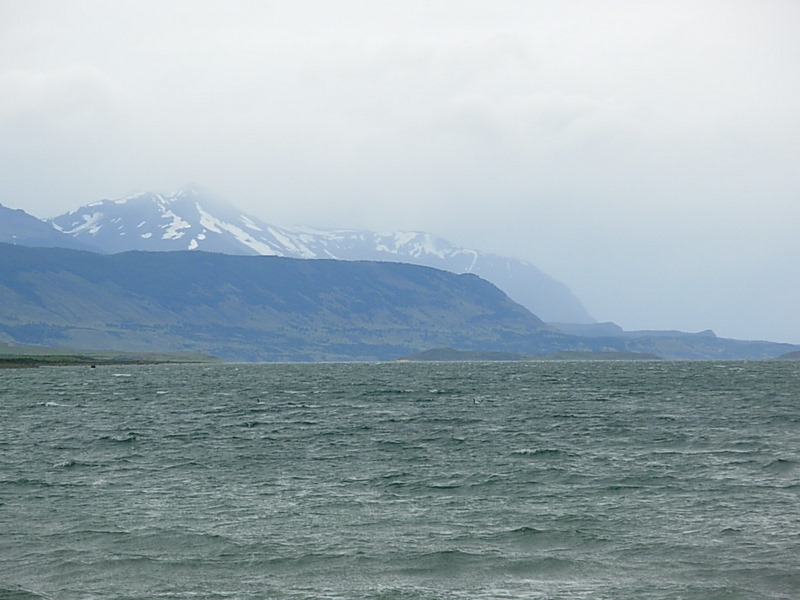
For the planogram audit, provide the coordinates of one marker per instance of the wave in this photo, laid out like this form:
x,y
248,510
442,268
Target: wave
x,y
126,438
11,592
543,452
25,481
443,563
781,466
544,567
529,539
70,463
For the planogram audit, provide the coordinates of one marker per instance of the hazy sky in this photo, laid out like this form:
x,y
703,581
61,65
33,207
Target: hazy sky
x,y
647,154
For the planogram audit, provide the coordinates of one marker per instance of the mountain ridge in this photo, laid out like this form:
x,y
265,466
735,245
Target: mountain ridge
x,y
251,307
193,219
269,308
19,227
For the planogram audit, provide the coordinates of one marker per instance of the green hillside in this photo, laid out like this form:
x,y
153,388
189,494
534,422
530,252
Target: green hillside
x,y
253,307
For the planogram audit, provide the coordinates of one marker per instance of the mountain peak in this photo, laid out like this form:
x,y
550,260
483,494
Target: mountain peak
x,y
188,219
193,190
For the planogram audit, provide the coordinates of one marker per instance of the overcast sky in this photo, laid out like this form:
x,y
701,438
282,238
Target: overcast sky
x,y
647,154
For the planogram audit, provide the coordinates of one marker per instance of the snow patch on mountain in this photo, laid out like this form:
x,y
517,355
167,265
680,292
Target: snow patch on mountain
x,y
207,220
90,224
247,240
294,246
173,230
249,223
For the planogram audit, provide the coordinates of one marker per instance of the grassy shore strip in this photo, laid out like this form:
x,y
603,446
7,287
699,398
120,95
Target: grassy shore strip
x,y
452,355
576,355
11,361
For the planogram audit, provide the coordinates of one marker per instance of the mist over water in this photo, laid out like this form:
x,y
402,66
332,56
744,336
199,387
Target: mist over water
x,y
467,480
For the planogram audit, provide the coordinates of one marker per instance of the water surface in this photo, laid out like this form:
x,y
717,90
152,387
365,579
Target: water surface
x,y
536,480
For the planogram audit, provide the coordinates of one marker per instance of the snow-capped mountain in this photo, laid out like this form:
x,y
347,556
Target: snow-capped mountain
x,y
186,220
194,220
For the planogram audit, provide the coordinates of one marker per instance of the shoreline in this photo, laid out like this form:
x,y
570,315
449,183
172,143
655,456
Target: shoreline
x,y
28,361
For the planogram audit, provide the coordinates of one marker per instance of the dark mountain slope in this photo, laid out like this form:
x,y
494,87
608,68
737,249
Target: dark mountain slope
x,y
254,307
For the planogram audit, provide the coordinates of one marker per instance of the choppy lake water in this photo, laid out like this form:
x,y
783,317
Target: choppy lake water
x,y
543,480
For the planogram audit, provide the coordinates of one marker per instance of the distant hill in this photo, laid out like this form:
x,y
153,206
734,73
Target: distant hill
x,y
597,330
193,219
19,228
254,307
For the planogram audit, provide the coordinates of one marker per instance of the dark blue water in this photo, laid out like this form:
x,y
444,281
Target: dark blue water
x,y
402,481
